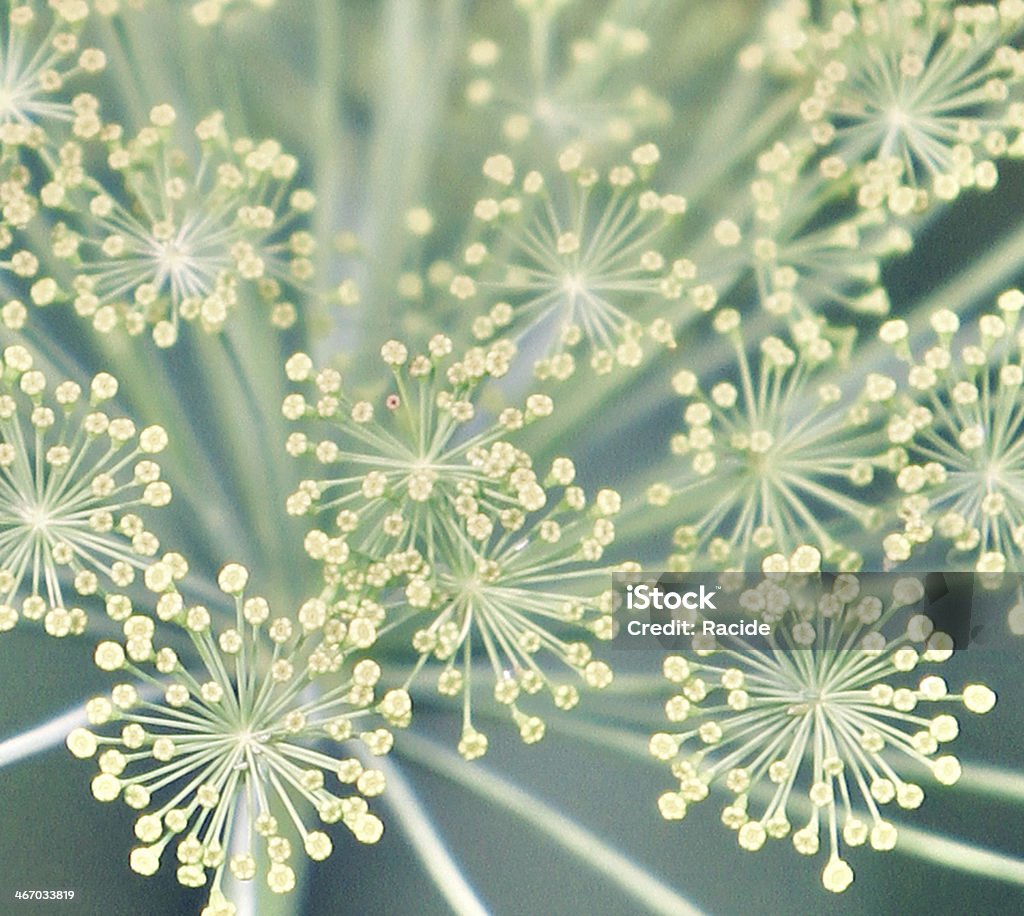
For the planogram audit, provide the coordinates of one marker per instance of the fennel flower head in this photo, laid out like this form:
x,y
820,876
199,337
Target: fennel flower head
x,y
491,557
74,479
578,257
789,446
959,424
239,747
146,233
824,727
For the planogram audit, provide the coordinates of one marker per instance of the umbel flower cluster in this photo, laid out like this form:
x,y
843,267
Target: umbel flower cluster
x,y
960,423
162,235
817,726
621,286
72,478
467,543
231,747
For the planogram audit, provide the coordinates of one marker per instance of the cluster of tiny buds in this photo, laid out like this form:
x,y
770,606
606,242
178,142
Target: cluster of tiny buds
x,y
976,115
838,263
864,715
210,228
459,573
753,429
66,496
477,363
417,476
260,726
958,424
573,266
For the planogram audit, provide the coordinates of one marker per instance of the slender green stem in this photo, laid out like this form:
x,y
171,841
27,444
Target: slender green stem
x,y
618,869
997,782
41,738
428,844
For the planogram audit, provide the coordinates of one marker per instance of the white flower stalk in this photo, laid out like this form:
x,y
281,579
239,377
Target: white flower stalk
x,y
578,258
961,422
920,97
830,711
581,95
72,479
157,235
775,455
237,734
410,458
